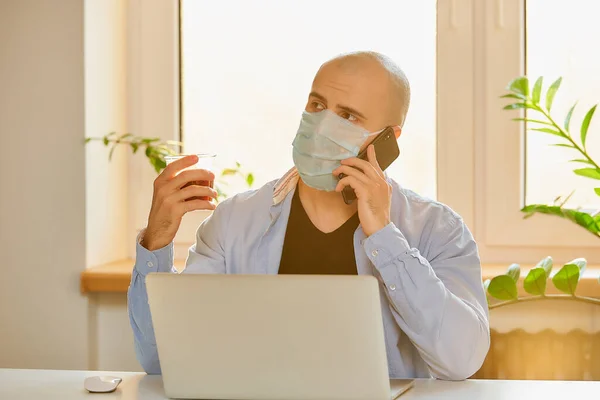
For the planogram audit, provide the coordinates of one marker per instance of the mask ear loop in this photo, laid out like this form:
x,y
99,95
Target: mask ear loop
x,y
396,128
376,133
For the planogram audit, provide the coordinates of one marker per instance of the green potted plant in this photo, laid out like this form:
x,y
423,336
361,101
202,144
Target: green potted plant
x,y
155,151
503,288
541,120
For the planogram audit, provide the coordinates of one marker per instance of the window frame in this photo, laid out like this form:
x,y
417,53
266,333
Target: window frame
x,y
500,225
471,73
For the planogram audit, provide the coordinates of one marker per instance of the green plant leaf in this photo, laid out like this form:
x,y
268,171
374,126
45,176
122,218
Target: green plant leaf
x,y
250,179
229,171
165,150
551,93
593,173
548,130
537,90
87,140
149,140
161,164
568,117
238,165
563,145
582,160
503,287
105,140
152,161
565,200
514,96
157,162
535,281
125,136
519,85
546,264
566,279
582,219
515,106
581,264
597,190
586,124
112,150
533,121
134,147
514,271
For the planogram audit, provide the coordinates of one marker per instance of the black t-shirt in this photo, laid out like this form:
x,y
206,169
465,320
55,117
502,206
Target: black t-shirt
x,y
307,250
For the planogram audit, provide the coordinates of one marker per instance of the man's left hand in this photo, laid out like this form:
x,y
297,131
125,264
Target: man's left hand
x,y
373,192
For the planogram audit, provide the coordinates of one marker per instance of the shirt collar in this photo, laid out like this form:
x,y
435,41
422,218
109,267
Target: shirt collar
x,y
285,185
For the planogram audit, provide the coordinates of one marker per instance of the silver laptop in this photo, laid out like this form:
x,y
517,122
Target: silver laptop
x,y
264,337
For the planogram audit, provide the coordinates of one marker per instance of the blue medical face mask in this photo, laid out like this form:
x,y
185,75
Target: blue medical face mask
x,y
322,141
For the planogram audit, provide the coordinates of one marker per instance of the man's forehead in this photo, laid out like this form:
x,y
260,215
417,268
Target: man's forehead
x,y
358,87
366,77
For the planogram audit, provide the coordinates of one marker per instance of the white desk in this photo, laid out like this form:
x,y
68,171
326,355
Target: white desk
x,y
68,385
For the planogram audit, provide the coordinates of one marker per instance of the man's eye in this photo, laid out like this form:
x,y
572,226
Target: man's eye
x,y
349,117
317,106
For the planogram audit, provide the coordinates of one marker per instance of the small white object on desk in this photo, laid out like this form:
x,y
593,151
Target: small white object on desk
x,y
101,384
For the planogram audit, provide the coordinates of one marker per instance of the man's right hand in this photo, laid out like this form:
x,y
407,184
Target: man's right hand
x,y
169,201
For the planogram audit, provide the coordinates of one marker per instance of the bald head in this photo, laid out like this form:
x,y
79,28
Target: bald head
x,y
377,70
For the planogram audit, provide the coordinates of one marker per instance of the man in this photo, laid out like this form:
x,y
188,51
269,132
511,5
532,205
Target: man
x,y
434,307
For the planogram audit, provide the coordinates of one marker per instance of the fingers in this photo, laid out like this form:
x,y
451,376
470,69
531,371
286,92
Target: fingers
x,y
191,198
352,181
365,166
194,205
351,171
194,191
190,176
373,160
172,169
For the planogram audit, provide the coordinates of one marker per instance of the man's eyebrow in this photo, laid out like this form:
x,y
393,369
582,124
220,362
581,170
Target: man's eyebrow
x,y
318,96
352,111
349,110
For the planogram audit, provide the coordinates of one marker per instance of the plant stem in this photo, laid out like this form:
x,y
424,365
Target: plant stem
x,y
588,300
567,136
128,141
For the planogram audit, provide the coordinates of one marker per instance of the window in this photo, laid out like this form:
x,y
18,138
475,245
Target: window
x,y
247,69
566,50
507,44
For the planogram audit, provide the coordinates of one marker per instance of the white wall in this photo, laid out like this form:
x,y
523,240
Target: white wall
x,y
107,238
111,340
42,185
106,111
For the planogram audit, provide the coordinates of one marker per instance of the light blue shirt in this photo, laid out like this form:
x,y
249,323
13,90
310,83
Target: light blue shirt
x,y
434,307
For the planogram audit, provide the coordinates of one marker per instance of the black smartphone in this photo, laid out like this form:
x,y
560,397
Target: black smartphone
x,y
386,150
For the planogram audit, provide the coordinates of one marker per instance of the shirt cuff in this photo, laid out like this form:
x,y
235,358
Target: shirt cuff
x,y
147,261
385,245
